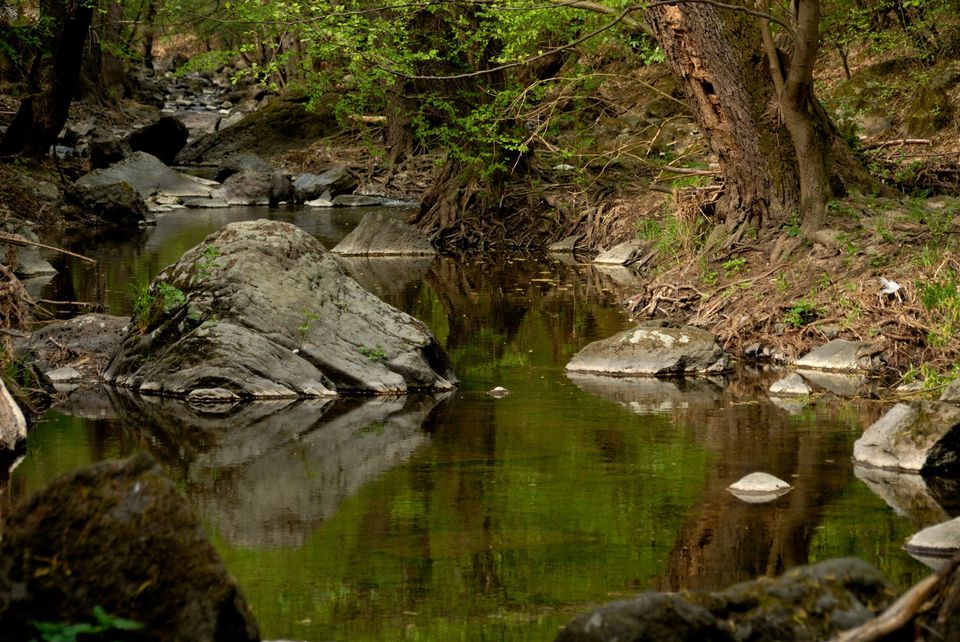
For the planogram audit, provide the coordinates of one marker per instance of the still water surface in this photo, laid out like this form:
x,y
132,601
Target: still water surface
x,y
467,517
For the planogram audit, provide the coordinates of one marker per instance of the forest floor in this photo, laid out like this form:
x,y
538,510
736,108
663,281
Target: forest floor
x,y
625,161
609,180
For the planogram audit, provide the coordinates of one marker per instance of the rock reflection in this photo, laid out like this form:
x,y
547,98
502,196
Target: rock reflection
x,y
384,274
924,501
648,395
266,474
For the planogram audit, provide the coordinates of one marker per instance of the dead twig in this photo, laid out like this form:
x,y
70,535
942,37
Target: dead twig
x,y
16,239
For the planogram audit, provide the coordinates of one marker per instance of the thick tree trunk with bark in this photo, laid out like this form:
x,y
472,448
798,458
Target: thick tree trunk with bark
x,y
42,114
757,109
717,57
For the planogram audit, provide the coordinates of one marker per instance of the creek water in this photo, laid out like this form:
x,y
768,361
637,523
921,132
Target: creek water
x,y
469,517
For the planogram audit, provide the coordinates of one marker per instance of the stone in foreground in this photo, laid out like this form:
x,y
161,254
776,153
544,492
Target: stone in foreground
x,y
952,392
840,355
653,349
805,604
262,310
759,488
383,235
118,536
920,436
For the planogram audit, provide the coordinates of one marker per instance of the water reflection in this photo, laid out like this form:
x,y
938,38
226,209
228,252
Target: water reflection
x,y
475,517
267,473
925,501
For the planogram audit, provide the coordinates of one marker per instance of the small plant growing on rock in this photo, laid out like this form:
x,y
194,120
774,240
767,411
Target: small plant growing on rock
x,y
375,354
151,301
204,267
304,328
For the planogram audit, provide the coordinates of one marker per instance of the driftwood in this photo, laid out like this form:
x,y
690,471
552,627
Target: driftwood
x,y
925,596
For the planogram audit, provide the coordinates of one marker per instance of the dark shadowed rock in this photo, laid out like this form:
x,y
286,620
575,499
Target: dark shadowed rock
x,y
90,339
920,436
283,124
653,349
114,204
806,604
240,162
382,234
334,181
107,148
163,139
250,187
118,536
266,311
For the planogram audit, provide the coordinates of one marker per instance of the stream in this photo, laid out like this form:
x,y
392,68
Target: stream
x,y
468,517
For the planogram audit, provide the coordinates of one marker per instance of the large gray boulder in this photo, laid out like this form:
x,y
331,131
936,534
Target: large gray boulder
x,y
806,604
148,175
384,235
262,310
334,181
118,536
920,436
653,349
251,187
13,425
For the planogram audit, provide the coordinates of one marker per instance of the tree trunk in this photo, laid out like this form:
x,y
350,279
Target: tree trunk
x,y
716,55
41,115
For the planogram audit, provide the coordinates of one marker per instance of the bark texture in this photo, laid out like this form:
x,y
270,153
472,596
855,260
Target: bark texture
x,y
42,114
717,57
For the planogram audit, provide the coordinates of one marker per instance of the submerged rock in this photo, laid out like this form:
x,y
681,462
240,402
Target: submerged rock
x,y
261,309
805,604
118,536
384,235
920,436
653,349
